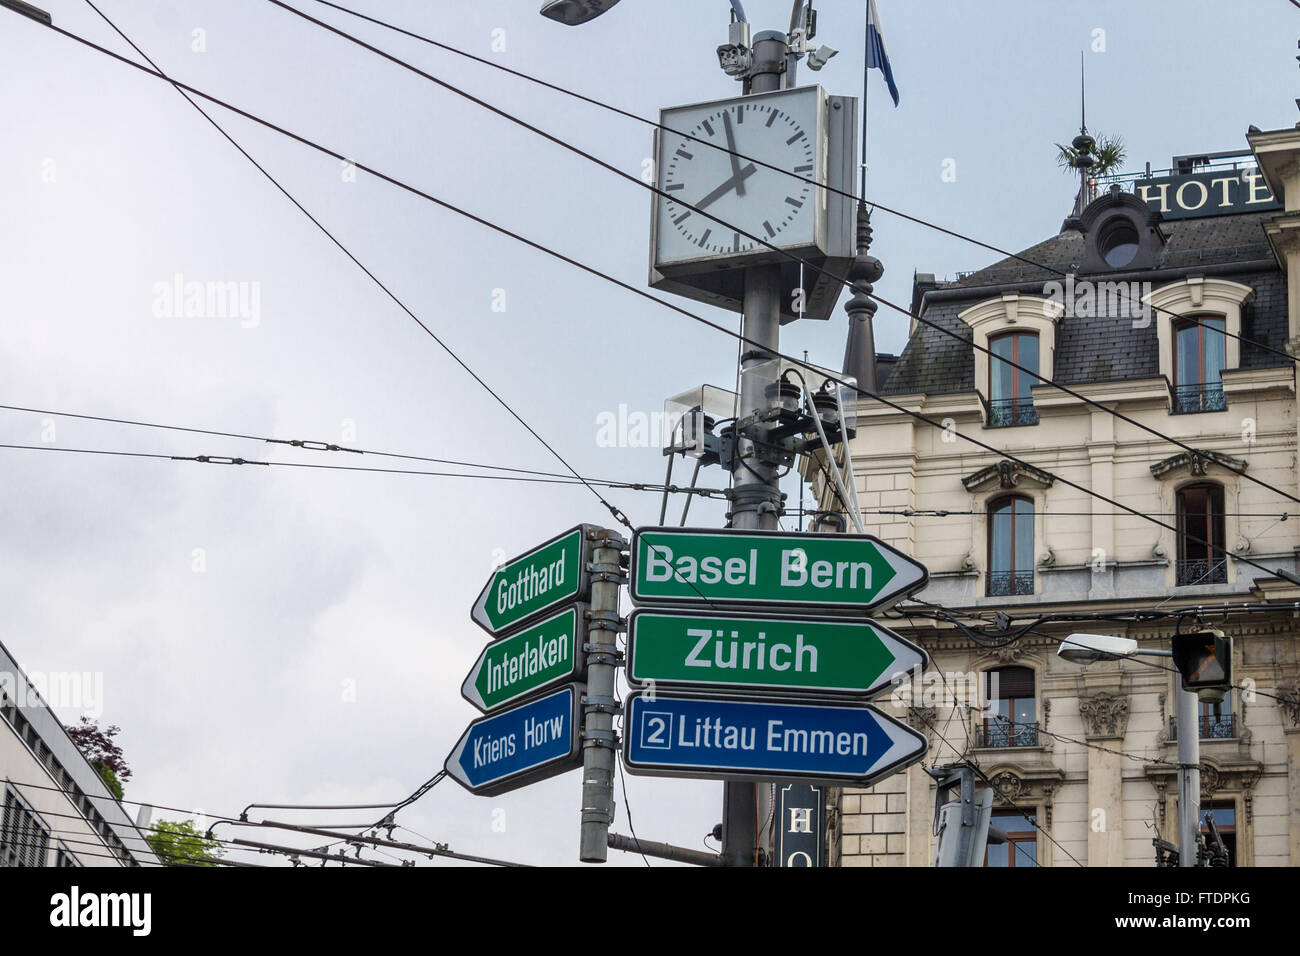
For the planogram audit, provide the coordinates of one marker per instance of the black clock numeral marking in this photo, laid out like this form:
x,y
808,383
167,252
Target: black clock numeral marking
x,y
804,169
740,114
794,202
795,138
705,238
770,231
771,119
684,155
682,218
675,187
708,127
735,242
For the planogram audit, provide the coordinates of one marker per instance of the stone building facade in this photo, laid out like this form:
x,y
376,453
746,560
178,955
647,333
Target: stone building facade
x,y
1179,316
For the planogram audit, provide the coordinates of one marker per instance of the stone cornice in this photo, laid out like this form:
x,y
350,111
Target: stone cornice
x,y
1007,474
1197,462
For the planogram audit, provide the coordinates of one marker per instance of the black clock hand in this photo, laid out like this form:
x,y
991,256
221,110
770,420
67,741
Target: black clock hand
x,y
731,147
733,183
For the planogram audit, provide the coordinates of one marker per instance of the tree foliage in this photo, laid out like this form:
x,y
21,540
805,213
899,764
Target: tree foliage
x,y
103,753
178,843
1108,156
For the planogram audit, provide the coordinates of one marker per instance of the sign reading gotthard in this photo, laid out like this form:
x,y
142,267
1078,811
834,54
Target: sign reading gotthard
x,y
697,567
538,581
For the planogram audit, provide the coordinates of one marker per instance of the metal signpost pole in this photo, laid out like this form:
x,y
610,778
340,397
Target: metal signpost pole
x,y
757,502
598,704
1189,776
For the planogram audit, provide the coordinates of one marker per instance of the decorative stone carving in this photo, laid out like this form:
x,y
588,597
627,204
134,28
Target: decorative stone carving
x,y
1197,462
1210,780
1007,474
922,719
1009,654
1104,715
1289,703
1008,785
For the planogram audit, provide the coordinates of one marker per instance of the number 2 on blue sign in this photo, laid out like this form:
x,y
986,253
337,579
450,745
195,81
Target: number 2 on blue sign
x,y
660,727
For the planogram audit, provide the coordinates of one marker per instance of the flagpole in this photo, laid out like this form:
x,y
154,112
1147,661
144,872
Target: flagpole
x,y
866,87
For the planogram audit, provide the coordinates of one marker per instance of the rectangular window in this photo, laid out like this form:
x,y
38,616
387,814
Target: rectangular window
x,y
23,840
1010,401
1200,352
1021,848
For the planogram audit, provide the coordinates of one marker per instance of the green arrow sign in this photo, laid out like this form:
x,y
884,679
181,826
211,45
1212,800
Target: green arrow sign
x,y
548,652
697,567
724,652
541,580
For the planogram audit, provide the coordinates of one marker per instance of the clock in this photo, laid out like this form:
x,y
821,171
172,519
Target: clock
x,y
748,165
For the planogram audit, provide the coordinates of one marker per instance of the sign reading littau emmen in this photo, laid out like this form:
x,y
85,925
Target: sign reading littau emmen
x,y
773,653
538,581
734,739
827,572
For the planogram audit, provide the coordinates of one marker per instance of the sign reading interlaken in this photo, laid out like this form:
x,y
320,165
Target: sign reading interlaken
x,y
735,739
773,653
697,567
548,652
538,581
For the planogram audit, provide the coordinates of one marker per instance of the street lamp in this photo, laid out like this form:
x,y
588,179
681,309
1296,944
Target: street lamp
x,y
575,12
1090,648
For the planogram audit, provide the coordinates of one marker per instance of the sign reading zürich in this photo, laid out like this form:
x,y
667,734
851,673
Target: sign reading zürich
x,y
697,567
550,575
773,653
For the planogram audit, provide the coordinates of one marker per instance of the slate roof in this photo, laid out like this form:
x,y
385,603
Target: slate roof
x,y
1099,349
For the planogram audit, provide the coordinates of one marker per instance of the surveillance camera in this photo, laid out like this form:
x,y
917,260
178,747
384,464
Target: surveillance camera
x,y
734,60
818,58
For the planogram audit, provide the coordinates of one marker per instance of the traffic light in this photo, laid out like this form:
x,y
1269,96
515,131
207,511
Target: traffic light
x,y
1204,659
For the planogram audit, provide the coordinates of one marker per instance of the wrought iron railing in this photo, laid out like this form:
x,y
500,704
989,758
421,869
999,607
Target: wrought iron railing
x,y
1205,571
1008,412
1007,583
1223,727
1006,733
1199,397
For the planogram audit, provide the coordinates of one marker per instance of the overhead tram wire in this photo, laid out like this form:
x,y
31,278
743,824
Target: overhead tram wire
x,y
629,287
226,460
1191,320
840,279
323,446
183,90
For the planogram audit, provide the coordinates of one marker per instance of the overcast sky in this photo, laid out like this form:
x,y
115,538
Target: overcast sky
x,y
234,683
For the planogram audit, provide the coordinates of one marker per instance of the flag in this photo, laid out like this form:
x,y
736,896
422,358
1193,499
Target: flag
x,y
877,58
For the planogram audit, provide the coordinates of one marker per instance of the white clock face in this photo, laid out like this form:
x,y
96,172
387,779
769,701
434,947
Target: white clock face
x,y
737,183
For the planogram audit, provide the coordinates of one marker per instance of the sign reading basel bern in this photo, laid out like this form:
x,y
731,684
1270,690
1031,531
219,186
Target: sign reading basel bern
x,y
825,572
551,574
548,652
735,739
775,653
529,742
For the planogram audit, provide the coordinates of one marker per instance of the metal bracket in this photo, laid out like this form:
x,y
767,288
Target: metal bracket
x,y
600,738
611,657
607,572
605,621
606,538
603,705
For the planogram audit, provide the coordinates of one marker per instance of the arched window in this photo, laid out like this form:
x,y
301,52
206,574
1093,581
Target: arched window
x,y
1200,352
1010,402
1201,558
1011,547
1012,717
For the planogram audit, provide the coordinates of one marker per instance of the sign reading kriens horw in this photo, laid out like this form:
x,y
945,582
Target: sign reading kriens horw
x,y
697,567
548,652
551,574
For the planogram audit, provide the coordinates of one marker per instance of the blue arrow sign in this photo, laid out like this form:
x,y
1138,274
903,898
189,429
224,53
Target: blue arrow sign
x,y
519,746
755,740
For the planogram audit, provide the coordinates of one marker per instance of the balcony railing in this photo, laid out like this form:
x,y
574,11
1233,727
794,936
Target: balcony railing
x,y
1199,397
1223,727
1009,412
1188,573
1006,733
1007,583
